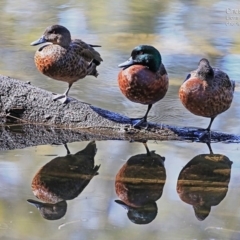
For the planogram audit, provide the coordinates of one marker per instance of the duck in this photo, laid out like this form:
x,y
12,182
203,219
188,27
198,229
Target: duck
x,y
203,182
143,79
65,177
139,184
141,179
64,59
207,91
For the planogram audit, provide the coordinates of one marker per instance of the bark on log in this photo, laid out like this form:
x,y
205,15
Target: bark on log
x,y
75,121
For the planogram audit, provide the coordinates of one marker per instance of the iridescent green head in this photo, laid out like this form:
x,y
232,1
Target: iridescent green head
x,y
145,55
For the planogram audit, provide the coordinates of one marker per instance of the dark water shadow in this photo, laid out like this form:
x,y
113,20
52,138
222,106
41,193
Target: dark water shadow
x,y
195,134
115,117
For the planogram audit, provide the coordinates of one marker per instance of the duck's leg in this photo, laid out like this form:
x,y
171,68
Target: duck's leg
x,y
147,149
209,147
63,98
207,131
66,147
210,124
143,119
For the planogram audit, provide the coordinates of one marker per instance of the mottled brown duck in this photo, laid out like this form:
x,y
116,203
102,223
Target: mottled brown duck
x,y
207,91
65,59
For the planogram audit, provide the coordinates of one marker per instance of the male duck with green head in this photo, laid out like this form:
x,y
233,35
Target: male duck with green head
x,y
143,78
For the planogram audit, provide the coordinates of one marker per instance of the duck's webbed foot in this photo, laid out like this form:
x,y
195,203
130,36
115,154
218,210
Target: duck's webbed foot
x,y
205,135
139,122
207,131
61,98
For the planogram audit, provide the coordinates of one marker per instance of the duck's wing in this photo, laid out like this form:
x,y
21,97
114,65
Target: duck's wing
x,y
163,70
87,51
86,178
224,79
191,74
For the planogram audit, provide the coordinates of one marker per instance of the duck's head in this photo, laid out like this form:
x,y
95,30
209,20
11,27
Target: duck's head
x,y
204,70
144,55
55,34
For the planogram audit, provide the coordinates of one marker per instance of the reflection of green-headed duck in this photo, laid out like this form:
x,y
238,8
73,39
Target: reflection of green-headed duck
x,y
141,215
203,182
207,91
139,184
64,178
65,59
143,78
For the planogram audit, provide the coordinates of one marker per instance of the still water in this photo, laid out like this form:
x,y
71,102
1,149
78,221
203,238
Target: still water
x,y
184,32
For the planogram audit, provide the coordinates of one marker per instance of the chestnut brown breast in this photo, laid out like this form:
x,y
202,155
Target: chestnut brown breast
x,y
203,99
141,85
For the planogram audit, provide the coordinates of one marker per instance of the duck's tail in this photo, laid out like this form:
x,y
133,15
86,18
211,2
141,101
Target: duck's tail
x,y
233,85
94,45
92,68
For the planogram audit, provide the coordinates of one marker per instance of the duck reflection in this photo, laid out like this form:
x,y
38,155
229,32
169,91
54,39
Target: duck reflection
x,y
139,184
63,178
203,182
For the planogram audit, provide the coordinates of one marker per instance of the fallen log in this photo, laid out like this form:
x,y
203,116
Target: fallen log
x,y
43,121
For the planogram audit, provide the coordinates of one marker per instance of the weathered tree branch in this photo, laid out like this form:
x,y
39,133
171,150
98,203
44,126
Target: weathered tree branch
x,y
75,121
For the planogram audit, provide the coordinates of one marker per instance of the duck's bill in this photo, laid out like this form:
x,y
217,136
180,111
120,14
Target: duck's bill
x,y
35,203
121,203
128,63
39,41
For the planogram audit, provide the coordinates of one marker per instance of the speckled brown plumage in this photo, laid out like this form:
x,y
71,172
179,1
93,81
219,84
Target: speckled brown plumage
x,y
207,91
65,59
66,64
141,85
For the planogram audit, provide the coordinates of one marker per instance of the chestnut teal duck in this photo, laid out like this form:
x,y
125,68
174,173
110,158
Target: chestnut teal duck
x,y
207,91
143,78
65,59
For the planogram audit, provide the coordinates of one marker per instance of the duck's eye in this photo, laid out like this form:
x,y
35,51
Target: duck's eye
x,y
139,52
